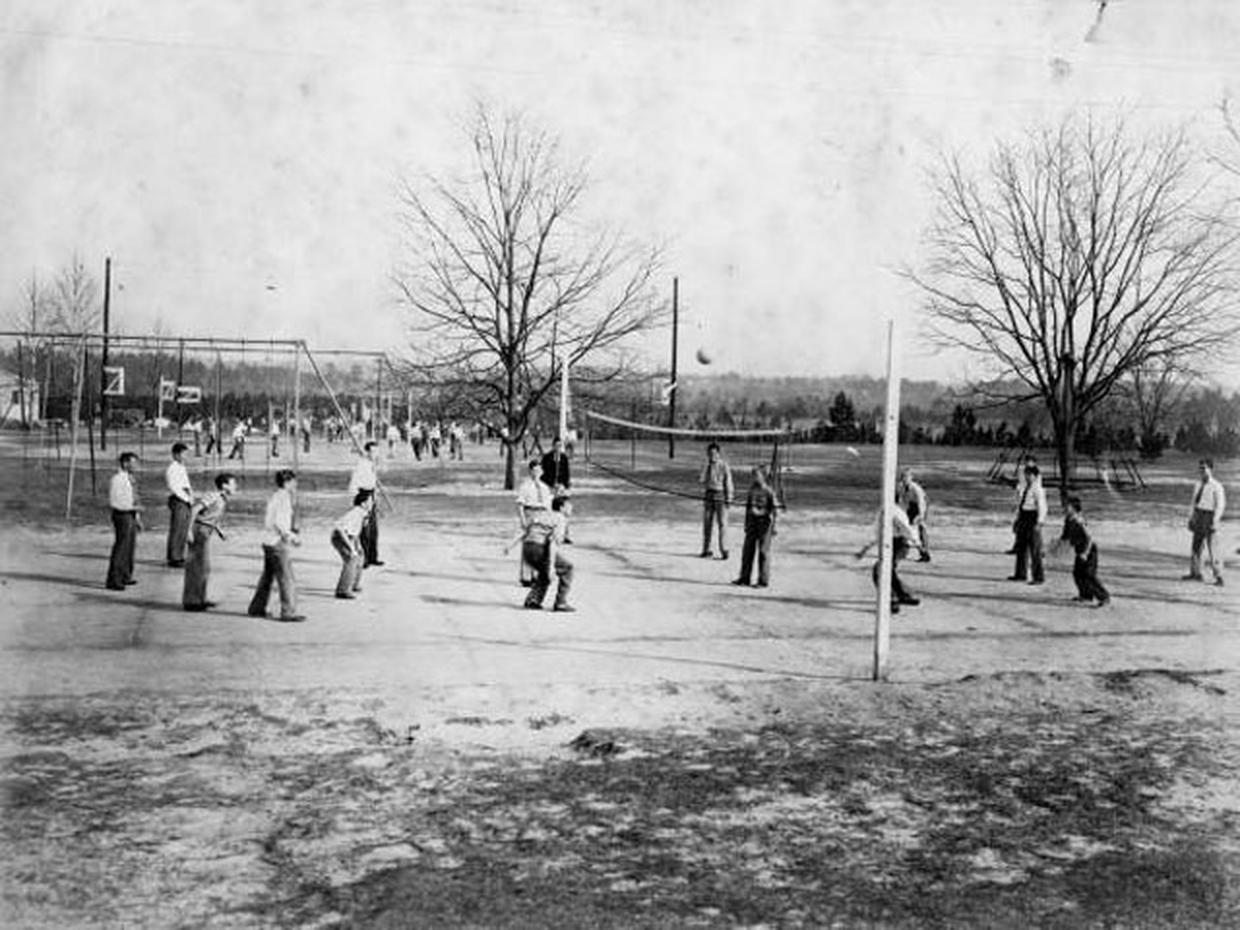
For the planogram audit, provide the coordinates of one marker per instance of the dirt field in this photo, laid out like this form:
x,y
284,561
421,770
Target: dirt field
x,y
680,752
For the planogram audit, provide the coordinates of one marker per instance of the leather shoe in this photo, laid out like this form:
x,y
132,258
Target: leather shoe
x,y
741,583
911,601
195,608
132,581
295,618
1191,577
347,597
1015,578
530,605
257,614
564,609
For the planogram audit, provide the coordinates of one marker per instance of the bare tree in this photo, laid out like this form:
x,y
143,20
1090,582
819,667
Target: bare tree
x,y
505,282
75,298
1076,258
30,318
1156,390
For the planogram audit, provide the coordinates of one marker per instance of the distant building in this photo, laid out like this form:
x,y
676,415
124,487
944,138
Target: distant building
x,y
12,396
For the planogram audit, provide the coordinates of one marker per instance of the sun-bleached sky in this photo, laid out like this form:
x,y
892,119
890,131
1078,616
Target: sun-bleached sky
x,y
239,161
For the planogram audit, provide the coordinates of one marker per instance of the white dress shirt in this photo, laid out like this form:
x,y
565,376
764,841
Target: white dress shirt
x,y
1209,496
278,520
364,478
1032,498
121,494
177,478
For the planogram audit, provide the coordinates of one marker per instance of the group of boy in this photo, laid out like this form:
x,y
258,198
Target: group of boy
x,y
762,504
194,521
543,509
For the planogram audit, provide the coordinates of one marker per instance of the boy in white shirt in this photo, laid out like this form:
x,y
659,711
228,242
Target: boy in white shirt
x,y
126,522
346,540
279,537
180,500
1209,503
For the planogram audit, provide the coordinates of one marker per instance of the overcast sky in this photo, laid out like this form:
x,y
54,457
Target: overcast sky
x,y
239,161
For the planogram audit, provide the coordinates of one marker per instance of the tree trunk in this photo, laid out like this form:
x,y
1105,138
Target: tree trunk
x,y
510,464
1065,452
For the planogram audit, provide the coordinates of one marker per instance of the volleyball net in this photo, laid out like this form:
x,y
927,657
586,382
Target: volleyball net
x,y
670,460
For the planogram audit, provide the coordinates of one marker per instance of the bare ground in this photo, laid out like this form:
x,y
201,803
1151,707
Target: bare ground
x,y
679,753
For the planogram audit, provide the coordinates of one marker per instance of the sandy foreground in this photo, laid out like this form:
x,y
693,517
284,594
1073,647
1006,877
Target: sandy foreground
x,y
678,752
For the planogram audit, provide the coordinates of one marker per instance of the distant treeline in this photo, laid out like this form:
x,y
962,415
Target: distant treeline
x,y
845,409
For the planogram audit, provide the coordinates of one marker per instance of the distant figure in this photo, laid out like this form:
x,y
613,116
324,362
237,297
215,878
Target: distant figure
x,y
1030,516
305,433
540,549
365,477
760,507
206,516
274,431
279,538
912,500
238,439
1209,503
434,438
557,475
1085,566
346,540
180,499
212,430
417,439
126,522
393,437
716,481
903,537
532,495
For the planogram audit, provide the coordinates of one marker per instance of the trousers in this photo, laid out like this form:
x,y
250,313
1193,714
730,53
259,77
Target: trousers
x,y
758,533
1028,546
178,528
534,554
1085,574
1203,540
197,566
351,570
125,538
714,513
369,537
899,549
277,570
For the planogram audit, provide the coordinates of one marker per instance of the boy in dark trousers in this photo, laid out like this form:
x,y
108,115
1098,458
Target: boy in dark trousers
x,y
1085,567
760,507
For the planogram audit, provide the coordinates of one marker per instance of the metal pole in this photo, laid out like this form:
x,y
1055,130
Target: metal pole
x,y
90,417
180,381
374,417
331,395
218,426
671,418
891,442
103,367
79,375
296,431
